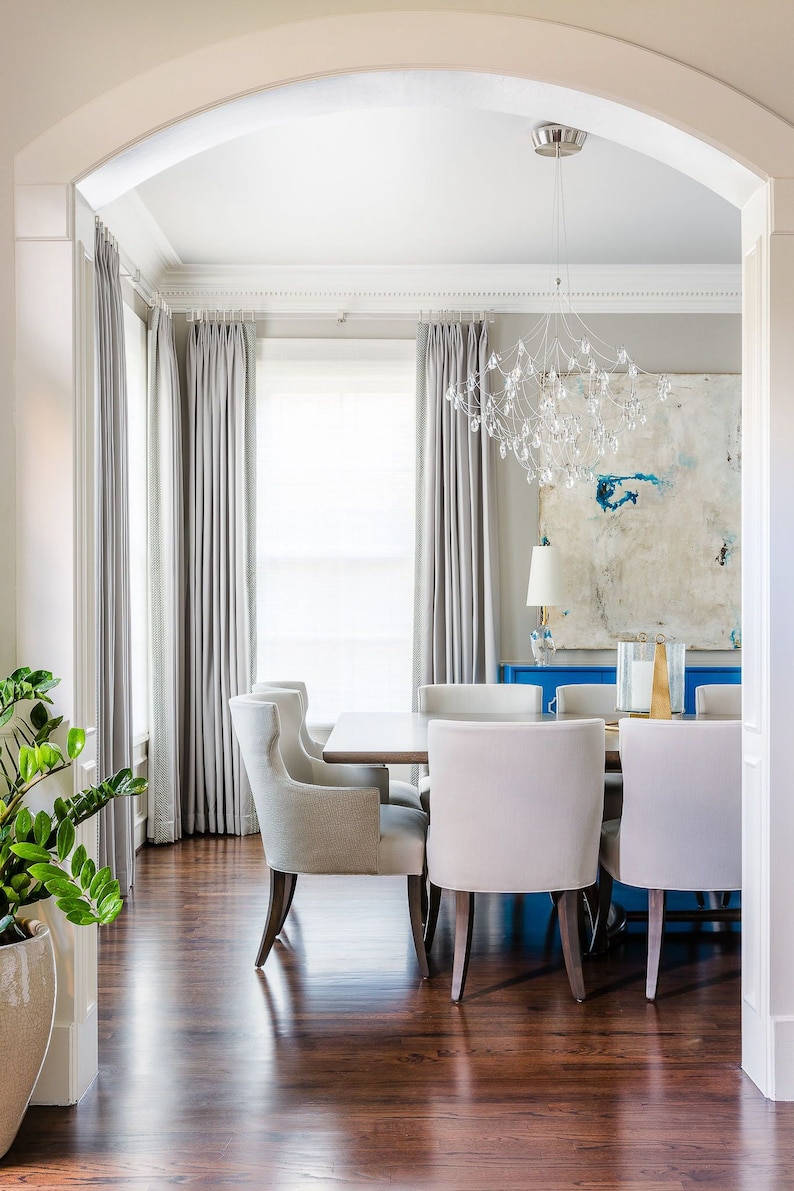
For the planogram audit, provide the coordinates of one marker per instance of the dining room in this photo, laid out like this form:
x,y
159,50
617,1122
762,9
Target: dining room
x,y
354,505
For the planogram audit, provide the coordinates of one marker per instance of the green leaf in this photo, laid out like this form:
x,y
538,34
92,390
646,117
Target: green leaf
x,y
72,903
19,882
75,742
45,871
107,895
87,873
61,887
78,860
102,878
81,919
29,851
6,715
111,911
24,824
50,755
20,674
65,839
61,810
39,716
42,826
27,764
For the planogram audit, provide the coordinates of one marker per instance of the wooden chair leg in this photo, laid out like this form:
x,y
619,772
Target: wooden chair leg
x,y
464,924
568,913
415,883
599,941
290,881
275,915
656,902
433,906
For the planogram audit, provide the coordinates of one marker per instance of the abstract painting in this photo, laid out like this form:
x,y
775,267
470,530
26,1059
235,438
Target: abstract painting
x,y
653,546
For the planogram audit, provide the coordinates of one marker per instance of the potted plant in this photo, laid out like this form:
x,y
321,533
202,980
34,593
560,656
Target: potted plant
x,y
38,859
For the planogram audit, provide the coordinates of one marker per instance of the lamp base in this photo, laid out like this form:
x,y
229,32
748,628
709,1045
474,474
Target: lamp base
x,y
543,647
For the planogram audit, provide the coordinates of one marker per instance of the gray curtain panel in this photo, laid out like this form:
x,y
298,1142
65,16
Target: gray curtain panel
x,y
219,627
114,691
166,583
457,578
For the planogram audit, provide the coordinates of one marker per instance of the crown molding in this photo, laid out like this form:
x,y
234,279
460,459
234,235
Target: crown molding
x,y
413,291
146,252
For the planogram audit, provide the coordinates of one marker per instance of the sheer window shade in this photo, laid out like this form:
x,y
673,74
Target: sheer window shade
x,y
335,518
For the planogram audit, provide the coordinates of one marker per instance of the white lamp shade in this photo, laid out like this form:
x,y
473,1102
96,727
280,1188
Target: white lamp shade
x,y
546,587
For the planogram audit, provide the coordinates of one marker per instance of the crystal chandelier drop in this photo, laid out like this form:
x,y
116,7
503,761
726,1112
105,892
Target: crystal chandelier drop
x,y
560,398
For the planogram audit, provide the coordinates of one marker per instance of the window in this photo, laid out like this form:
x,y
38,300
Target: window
x,y
335,520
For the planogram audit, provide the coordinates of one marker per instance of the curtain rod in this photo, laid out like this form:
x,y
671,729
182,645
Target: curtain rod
x,y
230,313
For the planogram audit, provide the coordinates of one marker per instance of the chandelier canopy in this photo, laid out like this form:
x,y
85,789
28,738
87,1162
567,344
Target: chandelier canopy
x,y
560,398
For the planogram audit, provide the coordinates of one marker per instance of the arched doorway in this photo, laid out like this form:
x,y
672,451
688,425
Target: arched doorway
x,y
52,243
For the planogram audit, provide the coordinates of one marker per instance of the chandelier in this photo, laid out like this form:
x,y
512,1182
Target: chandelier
x,y
560,398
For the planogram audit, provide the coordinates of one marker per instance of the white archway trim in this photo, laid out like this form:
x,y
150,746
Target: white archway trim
x,y
418,88
558,55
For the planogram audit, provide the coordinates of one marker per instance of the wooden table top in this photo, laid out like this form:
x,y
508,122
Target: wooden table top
x,y
400,737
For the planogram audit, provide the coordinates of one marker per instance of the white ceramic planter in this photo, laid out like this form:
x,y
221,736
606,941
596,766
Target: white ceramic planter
x,y
27,1008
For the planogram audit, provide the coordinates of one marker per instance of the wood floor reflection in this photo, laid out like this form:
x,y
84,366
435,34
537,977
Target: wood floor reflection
x,y
337,1066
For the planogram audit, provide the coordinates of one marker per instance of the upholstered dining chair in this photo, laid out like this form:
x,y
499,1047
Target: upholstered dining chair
x,y
516,809
719,698
308,828
595,698
495,697
681,826
303,755
462,698
312,746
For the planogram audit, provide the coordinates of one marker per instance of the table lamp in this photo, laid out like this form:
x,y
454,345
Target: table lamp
x,y
545,589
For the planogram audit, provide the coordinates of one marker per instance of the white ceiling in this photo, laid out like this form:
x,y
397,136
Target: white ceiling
x,y
428,186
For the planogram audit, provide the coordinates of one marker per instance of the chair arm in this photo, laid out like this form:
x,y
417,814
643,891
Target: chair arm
x,y
321,829
326,774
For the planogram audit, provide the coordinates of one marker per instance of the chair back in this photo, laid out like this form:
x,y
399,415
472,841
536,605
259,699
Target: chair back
x,y
516,807
297,761
588,698
310,745
304,828
719,698
497,697
681,826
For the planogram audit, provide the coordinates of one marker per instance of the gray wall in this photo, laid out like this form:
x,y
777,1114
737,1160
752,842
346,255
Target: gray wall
x,y
658,342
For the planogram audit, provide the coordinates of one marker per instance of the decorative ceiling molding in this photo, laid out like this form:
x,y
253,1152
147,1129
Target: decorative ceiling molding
x,y
412,291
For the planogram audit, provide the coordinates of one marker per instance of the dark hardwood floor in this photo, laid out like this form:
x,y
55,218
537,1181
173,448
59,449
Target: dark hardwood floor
x,y
337,1066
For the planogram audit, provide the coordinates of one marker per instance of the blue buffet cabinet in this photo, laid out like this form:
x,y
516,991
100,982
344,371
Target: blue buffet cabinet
x,y
550,677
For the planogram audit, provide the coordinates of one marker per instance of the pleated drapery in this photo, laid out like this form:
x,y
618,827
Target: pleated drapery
x,y
456,622
219,499
114,685
166,584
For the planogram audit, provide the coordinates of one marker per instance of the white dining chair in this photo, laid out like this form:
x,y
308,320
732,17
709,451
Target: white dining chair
x,y
460,698
302,760
309,828
485,697
719,698
516,809
595,698
681,826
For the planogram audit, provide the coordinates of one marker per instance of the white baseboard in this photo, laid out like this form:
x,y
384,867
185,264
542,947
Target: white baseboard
x,y
71,1064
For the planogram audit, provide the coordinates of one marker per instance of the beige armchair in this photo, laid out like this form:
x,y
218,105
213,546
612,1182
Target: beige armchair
x,y
309,828
303,755
516,809
682,817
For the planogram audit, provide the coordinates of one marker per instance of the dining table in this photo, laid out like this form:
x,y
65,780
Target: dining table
x,y
400,737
